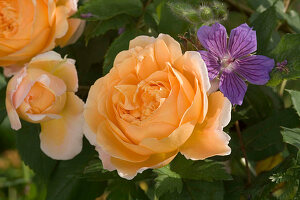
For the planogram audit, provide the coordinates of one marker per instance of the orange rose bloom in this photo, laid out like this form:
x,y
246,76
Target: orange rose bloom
x,y
30,27
153,104
44,92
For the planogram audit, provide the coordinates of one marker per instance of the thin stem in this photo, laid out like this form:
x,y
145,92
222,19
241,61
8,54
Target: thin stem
x,y
242,145
282,87
286,4
139,24
182,37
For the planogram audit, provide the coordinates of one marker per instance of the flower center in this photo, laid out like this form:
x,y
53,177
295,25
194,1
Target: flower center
x,y
153,96
227,64
149,97
8,19
39,98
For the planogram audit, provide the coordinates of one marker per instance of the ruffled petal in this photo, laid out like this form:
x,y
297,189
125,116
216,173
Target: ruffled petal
x,y
242,41
129,170
53,63
214,39
233,87
255,68
213,67
61,139
141,41
208,138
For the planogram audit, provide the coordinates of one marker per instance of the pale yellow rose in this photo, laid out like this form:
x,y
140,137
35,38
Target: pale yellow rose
x,y
31,27
44,92
152,105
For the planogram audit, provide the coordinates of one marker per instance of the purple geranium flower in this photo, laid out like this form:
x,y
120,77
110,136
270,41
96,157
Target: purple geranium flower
x,y
232,63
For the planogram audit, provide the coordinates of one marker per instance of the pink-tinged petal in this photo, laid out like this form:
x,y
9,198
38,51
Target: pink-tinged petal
x,y
42,117
233,87
54,83
208,138
105,158
11,89
63,68
212,64
214,86
12,70
242,41
61,139
255,68
214,39
129,170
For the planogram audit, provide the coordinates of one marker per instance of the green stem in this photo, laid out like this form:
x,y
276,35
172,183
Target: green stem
x,y
282,87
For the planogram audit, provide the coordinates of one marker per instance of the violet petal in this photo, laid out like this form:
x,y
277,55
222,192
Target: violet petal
x,y
255,68
214,39
213,67
233,87
242,41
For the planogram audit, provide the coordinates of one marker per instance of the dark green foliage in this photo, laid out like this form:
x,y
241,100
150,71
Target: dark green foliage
x,y
28,144
287,49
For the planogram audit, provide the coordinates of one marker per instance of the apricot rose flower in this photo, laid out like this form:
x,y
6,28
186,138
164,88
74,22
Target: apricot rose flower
x,y
153,104
31,27
44,92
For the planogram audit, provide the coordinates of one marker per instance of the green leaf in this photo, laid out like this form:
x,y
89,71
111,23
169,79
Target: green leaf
x,y
287,49
200,190
170,23
295,99
264,25
65,182
94,171
28,145
187,12
2,81
89,59
106,9
2,105
101,27
167,181
206,170
291,136
119,44
263,139
293,19
121,189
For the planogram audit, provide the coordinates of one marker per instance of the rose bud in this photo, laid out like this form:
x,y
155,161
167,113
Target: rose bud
x,y
44,92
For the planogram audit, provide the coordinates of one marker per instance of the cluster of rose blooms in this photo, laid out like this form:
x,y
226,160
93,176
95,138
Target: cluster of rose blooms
x,y
154,103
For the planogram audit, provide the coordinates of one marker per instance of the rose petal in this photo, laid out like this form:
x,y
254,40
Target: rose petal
x,y
141,41
162,53
61,139
129,170
208,138
110,144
